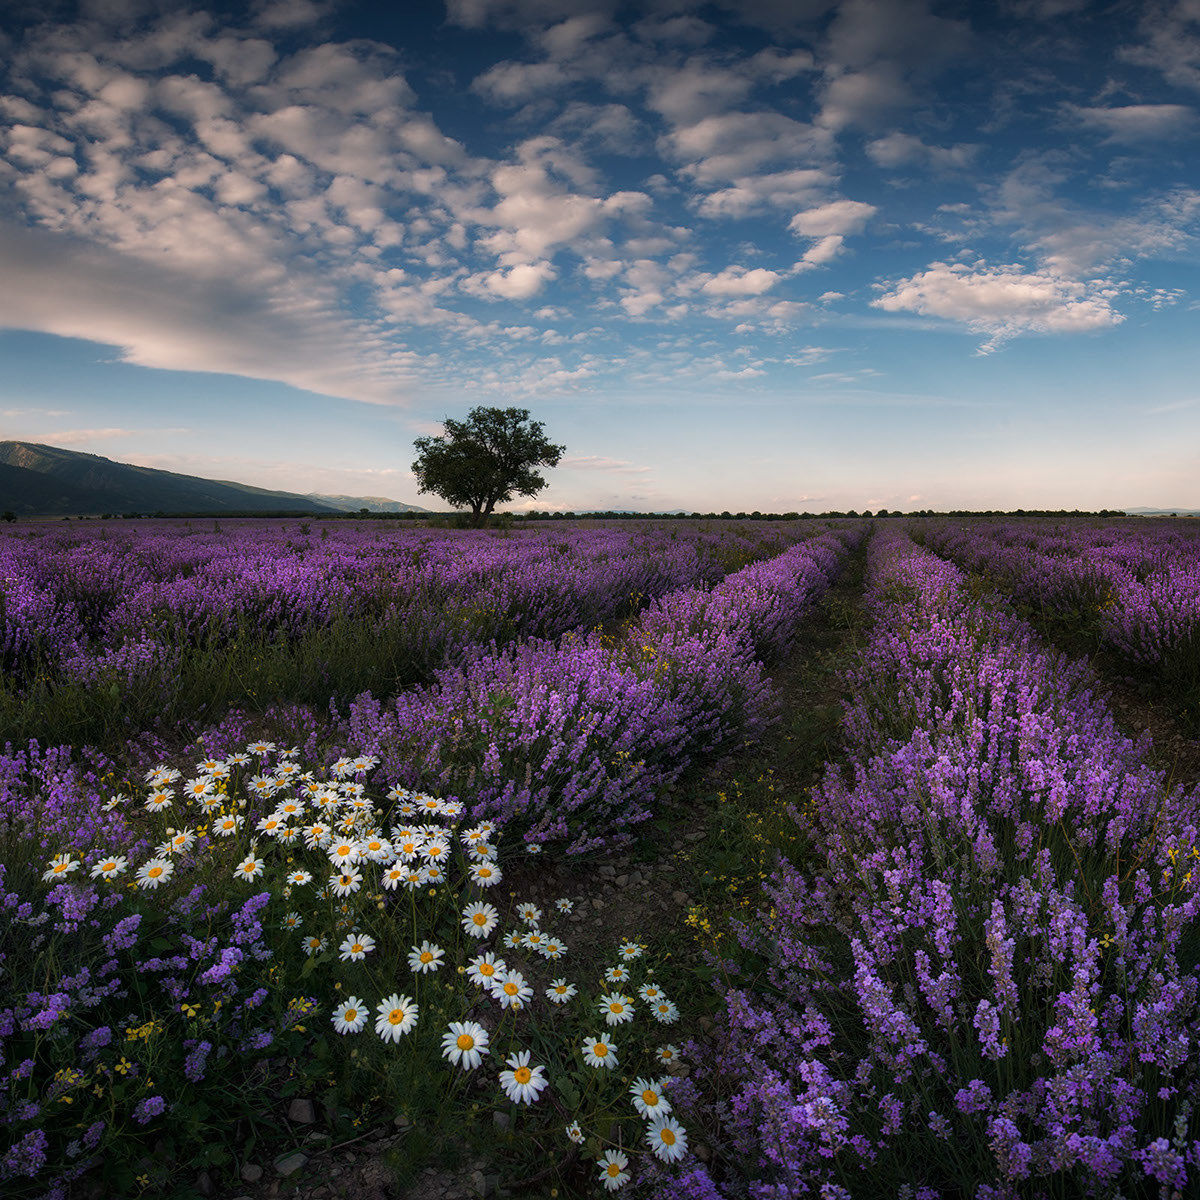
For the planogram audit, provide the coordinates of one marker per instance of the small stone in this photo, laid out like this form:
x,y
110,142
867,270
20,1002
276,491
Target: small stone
x,y
698,836
479,1183
401,1121
706,1023
622,881
703,1152
597,903
636,878
606,870
251,1172
500,1120
291,1164
301,1111
680,897
204,1184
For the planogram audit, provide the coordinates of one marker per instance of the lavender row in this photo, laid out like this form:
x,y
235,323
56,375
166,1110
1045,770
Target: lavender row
x,y
576,741
984,986
123,603
1140,586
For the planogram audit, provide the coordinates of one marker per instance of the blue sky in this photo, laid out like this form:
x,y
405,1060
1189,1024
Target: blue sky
x,y
772,254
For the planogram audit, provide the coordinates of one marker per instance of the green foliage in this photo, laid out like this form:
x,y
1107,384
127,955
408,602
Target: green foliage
x,y
485,460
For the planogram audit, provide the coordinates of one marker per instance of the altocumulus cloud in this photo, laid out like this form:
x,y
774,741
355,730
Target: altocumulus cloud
x,y
1002,302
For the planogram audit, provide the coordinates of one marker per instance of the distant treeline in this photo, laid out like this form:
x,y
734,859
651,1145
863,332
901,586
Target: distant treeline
x,y
508,519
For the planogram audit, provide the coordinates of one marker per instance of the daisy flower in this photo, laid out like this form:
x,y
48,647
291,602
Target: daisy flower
x,y
479,919
435,850
207,767
668,1054
511,940
648,1098
560,991
344,853
552,948
109,805
533,847
314,945
425,958
512,991
414,879
575,1133
288,834
522,1083
465,1044
630,950
470,836
364,762
292,921
482,852
484,970
249,868
299,878
197,789
356,947
615,1008
434,873
289,809
564,905
484,875
209,804
316,835
350,1016
617,974
667,1138
650,992
227,826
160,799
270,825
535,939
260,747
665,1012
341,768
529,913
392,878
600,1052
262,785
612,1170
377,849
155,871
109,867
237,760
453,808
61,867
430,805
180,841
397,1015
345,884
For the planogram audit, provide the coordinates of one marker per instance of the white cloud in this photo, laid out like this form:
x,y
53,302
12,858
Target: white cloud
x,y
840,217
739,281
1134,124
904,150
1171,45
519,282
1003,302
174,321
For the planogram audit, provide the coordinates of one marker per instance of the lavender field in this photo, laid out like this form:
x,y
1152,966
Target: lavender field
x,y
303,831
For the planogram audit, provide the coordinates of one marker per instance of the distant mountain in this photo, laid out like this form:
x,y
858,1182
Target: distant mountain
x,y
40,480
1161,512
375,504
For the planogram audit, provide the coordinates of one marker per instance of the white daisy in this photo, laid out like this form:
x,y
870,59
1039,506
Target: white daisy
x,y
617,974
648,1098
564,905
600,1052
522,1083
612,1170
479,919
227,826
299,878
314,945
560,991
512,991
61,867
345,884
356,947
529,913
350,1016
465,1044
667,1138
397,1015
425,958
109,866
250,867
615,1008
484,970
575,1133
155,871
484,875
665,1012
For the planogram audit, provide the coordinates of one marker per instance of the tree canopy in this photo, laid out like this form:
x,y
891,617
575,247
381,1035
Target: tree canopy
x,y
485,460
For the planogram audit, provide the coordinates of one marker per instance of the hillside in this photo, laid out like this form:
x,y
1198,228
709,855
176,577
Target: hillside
x,y
37,480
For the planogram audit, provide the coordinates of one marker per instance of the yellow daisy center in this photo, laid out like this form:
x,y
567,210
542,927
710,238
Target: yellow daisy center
x,y
667,1136
616,1008
522,1074
396,1016
108,866
356,948
613,1170
426,957
154,872
599,1049
511,988
465,1041
649,1098
58,870
485,872
480,918
486,969
350,1014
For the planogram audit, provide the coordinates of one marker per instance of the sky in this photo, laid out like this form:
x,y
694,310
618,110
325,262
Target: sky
x,y
756,254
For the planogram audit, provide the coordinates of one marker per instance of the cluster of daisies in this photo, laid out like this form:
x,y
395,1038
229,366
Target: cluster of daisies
x,y
332,817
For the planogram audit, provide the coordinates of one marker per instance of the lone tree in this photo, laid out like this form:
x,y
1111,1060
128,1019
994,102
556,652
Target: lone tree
x,y
485,460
